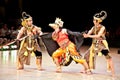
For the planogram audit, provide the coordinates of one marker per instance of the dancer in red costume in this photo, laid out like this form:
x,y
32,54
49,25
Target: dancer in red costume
x,y
61,37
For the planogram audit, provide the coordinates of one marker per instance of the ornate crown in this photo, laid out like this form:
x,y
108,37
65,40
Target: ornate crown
x,y
25,16
100,16
59,22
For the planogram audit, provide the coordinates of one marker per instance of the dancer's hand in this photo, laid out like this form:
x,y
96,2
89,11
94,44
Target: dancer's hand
x,y
85,35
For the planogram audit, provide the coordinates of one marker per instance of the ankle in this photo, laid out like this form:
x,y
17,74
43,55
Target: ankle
x,y
88,71
58,69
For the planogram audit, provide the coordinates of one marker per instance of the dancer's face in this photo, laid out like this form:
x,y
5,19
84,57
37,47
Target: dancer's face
x,y
96,22
29,22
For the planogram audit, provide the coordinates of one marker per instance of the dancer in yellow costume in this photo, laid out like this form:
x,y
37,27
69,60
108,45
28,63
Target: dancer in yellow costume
x,y
60,35
29,46
99,44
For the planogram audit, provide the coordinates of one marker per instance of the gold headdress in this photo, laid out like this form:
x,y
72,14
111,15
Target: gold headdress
x,y
25,17
100,16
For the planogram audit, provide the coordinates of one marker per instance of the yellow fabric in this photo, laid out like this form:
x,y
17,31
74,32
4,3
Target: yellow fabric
x,y
58,53
105,44
22,43
91,64
92,54
73,51
26,53
81,61
71,48
21,51
99,54
32,54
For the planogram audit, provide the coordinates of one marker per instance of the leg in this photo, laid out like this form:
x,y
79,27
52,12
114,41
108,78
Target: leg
x,y
86,68
55,57
39,63
38,60
57,64
78,58
84,63
110,66
19,64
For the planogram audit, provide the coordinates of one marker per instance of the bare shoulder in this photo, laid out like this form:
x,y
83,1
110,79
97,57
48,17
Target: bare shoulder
x,y
64,30
102,27
22,28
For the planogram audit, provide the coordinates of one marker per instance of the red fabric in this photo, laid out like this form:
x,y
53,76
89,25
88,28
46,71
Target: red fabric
x,y
62,37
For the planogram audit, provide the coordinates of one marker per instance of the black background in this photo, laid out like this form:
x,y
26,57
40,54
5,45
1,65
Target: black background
x,y
76,14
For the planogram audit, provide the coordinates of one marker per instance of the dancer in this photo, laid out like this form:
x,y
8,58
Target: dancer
x,y
65,46
99,44
30,45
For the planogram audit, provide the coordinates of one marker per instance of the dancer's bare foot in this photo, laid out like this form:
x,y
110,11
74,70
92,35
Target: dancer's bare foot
x,y
86,72
58,69
20,68
83,71
40,69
